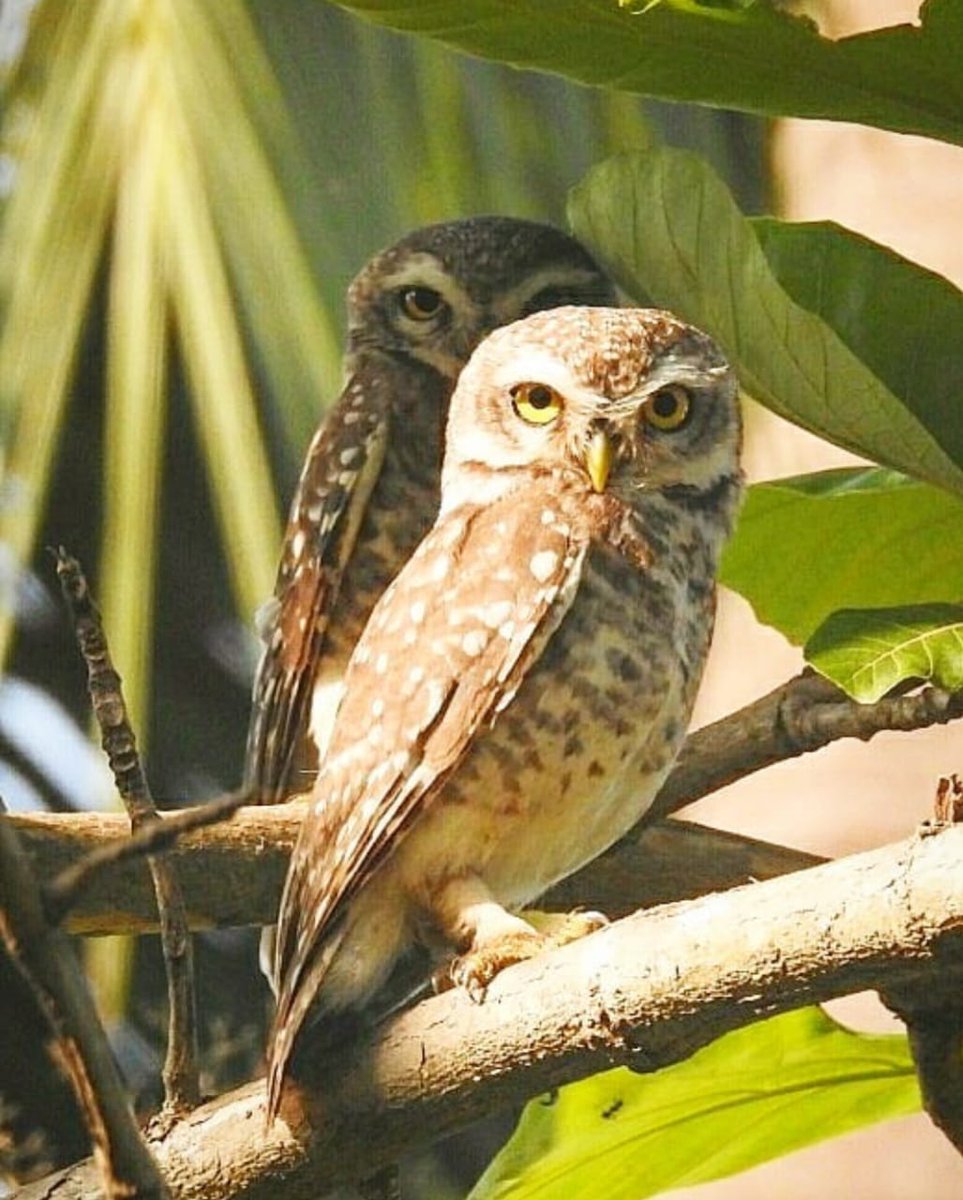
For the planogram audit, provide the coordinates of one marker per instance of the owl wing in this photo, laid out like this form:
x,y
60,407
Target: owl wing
x,y
444,653
341,469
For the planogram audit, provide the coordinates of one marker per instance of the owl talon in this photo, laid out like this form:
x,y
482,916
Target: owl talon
x,y
475,970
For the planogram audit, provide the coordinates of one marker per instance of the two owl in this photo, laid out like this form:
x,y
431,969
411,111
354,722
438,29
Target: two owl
x,y
499,712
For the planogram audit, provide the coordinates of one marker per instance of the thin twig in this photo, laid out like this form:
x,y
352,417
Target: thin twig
x,y
180,1072
803,714
49,966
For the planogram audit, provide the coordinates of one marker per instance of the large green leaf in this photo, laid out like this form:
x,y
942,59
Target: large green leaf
x,y
900,320
750,1097
851,538
867,652
744,55
669,229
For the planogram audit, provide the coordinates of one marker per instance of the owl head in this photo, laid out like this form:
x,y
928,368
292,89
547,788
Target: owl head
x,y
622,400
435,294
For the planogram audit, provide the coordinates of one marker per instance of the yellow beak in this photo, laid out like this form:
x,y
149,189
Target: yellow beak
x,y
598,459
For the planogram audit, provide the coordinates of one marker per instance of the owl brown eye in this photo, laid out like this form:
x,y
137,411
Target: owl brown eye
x,y
668,408
536,403
420,303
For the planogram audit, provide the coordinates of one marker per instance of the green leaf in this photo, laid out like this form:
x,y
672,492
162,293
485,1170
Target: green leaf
x,y
867,652
749,56
751,1096
853,538
899,319
668,228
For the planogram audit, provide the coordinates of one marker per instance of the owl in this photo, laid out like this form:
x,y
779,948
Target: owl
x,y
369,487
523,686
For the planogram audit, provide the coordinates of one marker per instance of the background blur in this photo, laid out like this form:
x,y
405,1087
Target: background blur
x,y
292,124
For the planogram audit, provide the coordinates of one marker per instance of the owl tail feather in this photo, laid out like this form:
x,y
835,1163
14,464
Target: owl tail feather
x,y
300,993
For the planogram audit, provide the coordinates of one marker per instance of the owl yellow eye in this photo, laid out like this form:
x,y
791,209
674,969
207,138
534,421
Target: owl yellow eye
x,y
420,303
668,408
536,403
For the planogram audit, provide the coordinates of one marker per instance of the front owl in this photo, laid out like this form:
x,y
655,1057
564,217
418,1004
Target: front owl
x,y
523,686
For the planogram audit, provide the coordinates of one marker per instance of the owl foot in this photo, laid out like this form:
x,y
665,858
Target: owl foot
x,y
561,928
475,970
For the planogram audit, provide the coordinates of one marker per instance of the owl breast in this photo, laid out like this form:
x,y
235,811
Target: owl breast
x,y
580,753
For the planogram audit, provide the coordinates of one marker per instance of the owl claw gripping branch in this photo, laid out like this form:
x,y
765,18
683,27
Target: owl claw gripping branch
x,y
524,684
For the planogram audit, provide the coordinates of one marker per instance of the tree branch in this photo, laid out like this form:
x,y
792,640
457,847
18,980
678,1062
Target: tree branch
x,y
647,991
803,714
180,1071
153,837
232,873
49,967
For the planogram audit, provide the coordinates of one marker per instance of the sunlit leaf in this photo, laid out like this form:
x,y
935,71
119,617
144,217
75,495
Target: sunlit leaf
x,y
900,320
668,228
750,1097
853,538
869,651
756,57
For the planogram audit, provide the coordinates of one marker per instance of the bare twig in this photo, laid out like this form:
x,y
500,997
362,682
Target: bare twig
x,y
648,990
180,1072
50,968
803,714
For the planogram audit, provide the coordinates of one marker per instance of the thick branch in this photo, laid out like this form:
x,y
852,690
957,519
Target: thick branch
x,y
232,873
647,991
50,968
153,837
180,1072
801,715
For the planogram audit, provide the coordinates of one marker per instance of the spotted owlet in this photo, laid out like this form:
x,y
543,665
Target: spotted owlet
x,y
523,685
369,487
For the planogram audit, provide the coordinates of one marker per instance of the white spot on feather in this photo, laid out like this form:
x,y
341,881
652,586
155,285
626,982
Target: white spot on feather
x,y
543,564
473,643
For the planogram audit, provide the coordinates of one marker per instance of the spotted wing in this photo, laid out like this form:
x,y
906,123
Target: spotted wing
x,y
444,653
341,469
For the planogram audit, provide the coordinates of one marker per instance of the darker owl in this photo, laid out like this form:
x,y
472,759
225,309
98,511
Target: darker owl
x,y
369,487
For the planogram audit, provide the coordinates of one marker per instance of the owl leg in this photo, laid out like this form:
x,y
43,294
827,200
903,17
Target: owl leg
x,y
490,937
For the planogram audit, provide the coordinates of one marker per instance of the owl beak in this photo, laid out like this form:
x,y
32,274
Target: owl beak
x,y
598,459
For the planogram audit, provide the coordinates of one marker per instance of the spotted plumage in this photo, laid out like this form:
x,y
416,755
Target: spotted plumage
x,y
523,685
369,487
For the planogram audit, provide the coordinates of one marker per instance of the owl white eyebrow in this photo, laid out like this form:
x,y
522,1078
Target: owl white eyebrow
x,y
688,374
514,301
534,364
424,270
